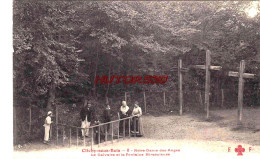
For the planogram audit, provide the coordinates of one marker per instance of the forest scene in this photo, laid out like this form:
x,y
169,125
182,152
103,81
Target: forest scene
x,y
61,47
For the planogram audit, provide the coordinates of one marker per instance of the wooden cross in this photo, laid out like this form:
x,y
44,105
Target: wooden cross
x,y
241,75
180,70
207,68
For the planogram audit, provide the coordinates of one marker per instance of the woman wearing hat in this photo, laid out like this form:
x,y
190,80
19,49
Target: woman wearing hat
x,y
47,125
137,112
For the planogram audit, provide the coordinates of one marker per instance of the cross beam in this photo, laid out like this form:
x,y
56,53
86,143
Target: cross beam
x,y
245,75
203,67
241,75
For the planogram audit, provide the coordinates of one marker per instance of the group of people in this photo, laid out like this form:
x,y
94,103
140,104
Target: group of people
x,y
88,118
136,123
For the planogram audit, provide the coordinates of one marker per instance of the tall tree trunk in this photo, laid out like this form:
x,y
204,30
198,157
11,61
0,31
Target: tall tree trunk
x,y
108,83
51,96
15,126
95,75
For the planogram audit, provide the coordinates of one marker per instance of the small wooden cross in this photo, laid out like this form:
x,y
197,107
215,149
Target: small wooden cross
x,y
241,75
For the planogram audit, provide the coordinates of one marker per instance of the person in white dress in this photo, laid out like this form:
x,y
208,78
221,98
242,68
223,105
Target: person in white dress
x,y
123,113
47,126
137,120
84,120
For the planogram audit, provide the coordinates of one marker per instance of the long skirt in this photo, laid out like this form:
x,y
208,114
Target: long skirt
x,y
121,125
85,127
100,134
107,126
46,132
137,122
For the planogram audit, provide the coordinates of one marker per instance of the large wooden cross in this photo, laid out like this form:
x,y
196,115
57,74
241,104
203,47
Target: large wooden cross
x,y
207,68
180,70
241,75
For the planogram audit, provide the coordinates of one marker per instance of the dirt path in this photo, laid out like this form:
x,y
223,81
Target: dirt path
x,y
194,127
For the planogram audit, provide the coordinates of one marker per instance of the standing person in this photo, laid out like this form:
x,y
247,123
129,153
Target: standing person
x,y
137,120
91,117
83,116
107,116
123,113
99,132
47,125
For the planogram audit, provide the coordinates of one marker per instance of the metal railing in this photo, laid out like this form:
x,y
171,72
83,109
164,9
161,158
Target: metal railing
x,y
98,132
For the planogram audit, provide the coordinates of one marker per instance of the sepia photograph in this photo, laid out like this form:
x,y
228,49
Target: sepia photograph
x,y
135,79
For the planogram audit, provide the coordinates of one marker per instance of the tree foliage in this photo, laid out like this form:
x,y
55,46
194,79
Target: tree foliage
x,y
64,45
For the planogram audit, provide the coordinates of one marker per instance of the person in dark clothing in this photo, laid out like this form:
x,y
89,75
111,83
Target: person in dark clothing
x,y
83,113
99,131
91,114
107,116
87,115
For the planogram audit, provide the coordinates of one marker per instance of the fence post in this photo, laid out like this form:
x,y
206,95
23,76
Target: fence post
x,y
70,136
106,126
77,131
92,135
30,123
123,129
222,98
164,102
126,97
217,92
57,129
112,132
118,129
129,124
134,126
63,133
51,132
144,103
84,138
57,134
57,114
98,135
200,97
15,126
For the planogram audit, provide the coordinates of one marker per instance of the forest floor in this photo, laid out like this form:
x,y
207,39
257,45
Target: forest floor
x,y
190,133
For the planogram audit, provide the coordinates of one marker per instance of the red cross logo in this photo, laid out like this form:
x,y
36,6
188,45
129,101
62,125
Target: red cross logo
x,y
239,150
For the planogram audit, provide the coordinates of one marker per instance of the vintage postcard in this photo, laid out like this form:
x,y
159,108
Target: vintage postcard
x,y
136,79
